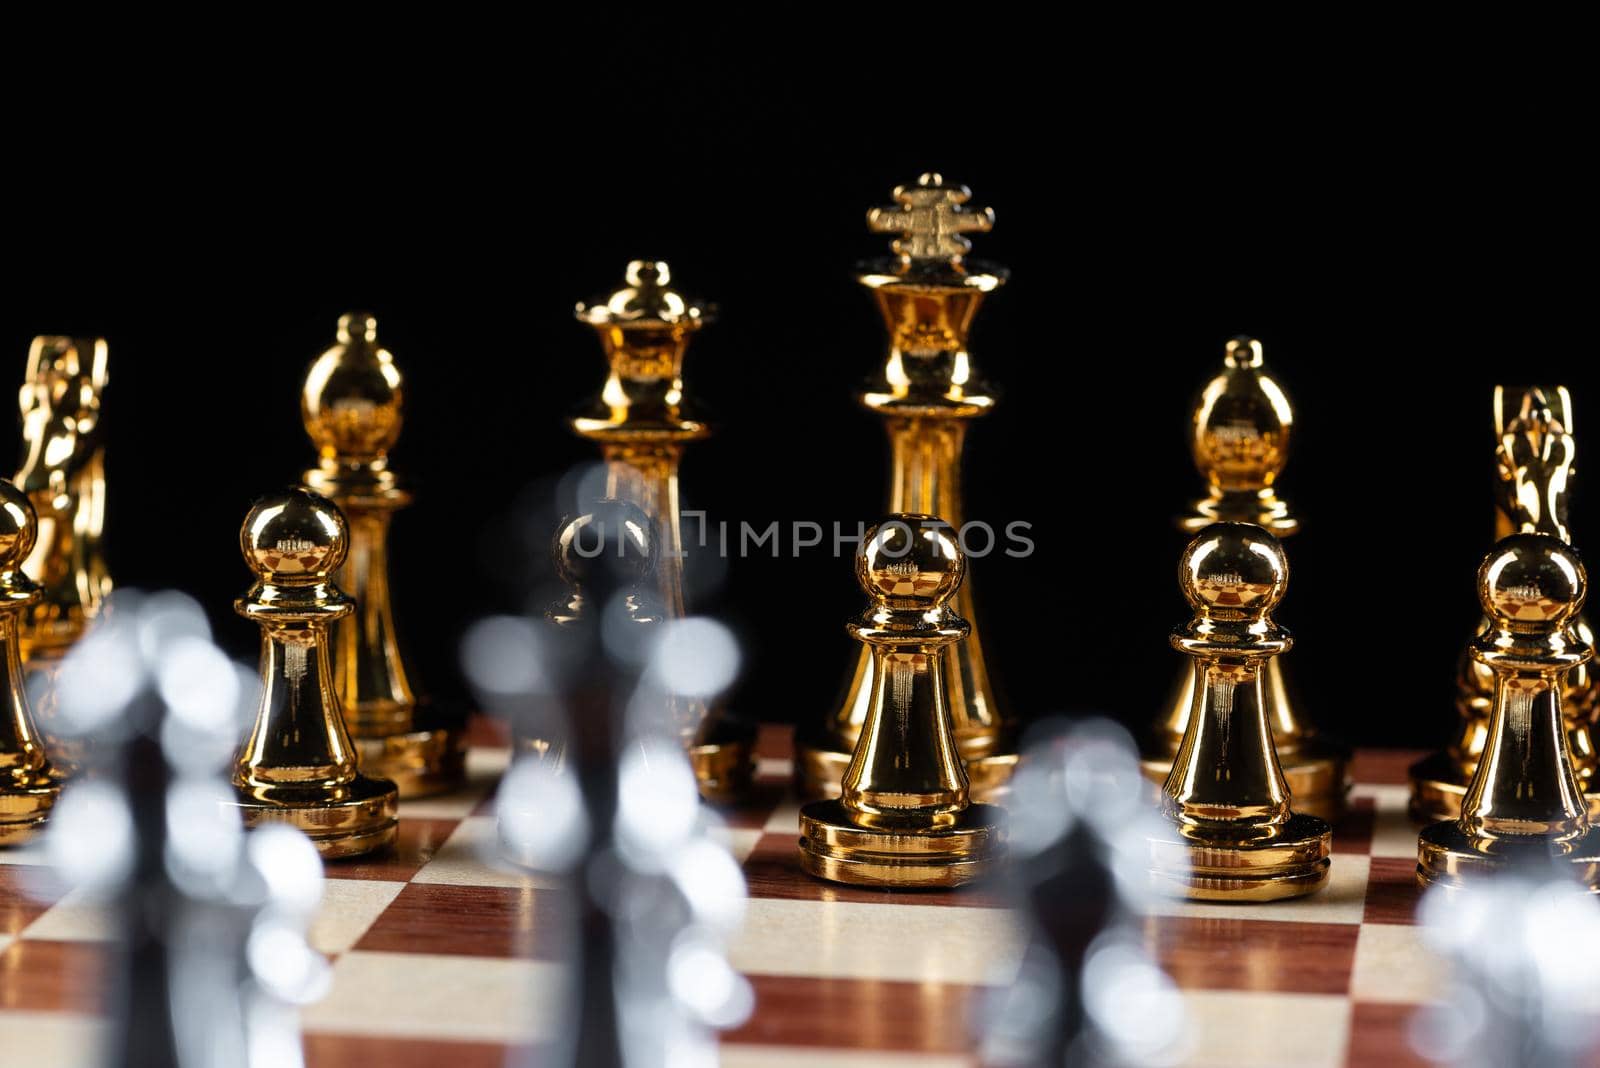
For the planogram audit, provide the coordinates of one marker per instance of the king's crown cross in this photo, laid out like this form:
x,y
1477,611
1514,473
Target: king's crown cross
x,y
930,219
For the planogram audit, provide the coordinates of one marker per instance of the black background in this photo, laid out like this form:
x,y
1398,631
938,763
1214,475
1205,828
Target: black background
x,y
1403,225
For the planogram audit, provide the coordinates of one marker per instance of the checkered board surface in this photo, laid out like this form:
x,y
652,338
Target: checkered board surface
x,y
438,958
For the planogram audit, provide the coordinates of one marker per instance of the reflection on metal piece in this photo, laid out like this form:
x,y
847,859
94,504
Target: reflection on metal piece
x,y
352,405
1534,451
1231,833
1523,807
298,766
1240,442
904,817
28,785
63,472
926,393
642,420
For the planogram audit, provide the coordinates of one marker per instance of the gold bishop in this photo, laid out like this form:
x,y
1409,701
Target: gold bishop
x,y
352,406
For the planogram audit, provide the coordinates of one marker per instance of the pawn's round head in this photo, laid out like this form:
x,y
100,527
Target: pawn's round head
x,y
294,538
19,527
910,561
611,545
1532,578
1233,570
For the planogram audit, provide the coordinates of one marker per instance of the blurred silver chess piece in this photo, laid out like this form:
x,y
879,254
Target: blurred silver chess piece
x,y
1086,995
602,797
212,920
1524,983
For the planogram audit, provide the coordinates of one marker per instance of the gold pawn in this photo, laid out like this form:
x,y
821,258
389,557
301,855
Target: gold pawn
x,y
1232,834
1534,453
352,406
28,786
1239,439
1524,807
642,421
63,474
298,766
904,817
927,394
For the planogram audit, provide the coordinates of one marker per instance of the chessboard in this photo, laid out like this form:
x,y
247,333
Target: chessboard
x,y
440,956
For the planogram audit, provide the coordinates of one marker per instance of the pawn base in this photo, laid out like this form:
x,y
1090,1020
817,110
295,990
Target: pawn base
x,y
420,763
1318,777
1447,856
819,772
24,809
360,817
1438,784
1293,863
835,848
724,758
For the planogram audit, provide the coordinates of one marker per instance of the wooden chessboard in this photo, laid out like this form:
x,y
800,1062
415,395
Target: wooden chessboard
x,y
438,956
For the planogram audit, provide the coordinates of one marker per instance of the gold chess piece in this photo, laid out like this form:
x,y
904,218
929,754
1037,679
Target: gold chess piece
x,y
1524,806
642,421
927,393
298,765
904,817
1240,443
352,405
28,785
1534,451
63,473
1232,833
